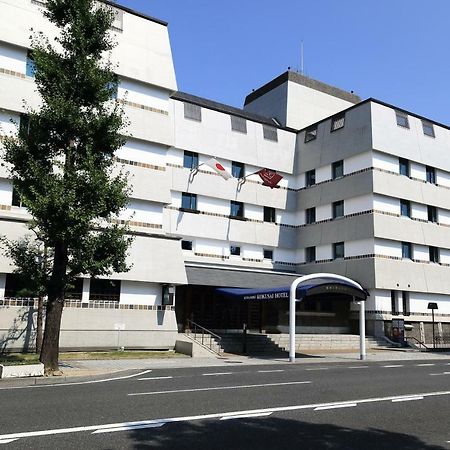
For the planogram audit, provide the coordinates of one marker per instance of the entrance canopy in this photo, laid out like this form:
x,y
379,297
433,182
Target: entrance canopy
x,y
308,288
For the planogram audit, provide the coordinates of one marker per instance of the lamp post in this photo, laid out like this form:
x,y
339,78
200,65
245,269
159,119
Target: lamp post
x,y
433,306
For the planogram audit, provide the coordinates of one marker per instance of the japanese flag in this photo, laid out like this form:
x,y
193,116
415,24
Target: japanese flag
x,y
214,164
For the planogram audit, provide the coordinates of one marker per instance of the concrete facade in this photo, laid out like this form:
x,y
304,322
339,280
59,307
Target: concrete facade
x,y
293,125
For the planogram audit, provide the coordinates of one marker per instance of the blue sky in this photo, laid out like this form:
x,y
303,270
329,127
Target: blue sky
x,y
394,50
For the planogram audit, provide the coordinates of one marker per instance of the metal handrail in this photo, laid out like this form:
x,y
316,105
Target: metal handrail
x,y
412,338
193,327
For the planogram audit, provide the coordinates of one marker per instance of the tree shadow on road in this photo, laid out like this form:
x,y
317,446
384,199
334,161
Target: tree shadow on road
x,y
270,433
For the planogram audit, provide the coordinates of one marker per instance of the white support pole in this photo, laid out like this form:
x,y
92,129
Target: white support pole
x,y
292,300
362,331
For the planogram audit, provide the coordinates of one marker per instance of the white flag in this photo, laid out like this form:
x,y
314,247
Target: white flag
x,y
214,164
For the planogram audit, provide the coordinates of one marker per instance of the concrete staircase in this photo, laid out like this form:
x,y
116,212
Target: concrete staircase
x,y
278,344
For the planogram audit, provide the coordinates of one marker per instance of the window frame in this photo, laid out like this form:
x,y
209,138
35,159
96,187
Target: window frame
x,y
337,246
430,174
405,304
268,251
334,167
191,200
30,67
194,159
401,115
434,254
269,214
310,254
110,295
432,213
241,210
235,250
310,178
310,215
335,122
238,124
405,206
407,250
270,133
403,162
426,124
311,133
192,112
186,245
335,209
394,303
237,166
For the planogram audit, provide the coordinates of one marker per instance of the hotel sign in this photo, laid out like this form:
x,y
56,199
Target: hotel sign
x,y
267,296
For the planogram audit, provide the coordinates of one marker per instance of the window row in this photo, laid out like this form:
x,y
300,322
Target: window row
x,y
403,121
404,168
235,250
237,123
405,211
337,171
338,249
337,122
433,252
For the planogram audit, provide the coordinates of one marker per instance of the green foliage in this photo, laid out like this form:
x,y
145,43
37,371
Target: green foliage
x,y
62,162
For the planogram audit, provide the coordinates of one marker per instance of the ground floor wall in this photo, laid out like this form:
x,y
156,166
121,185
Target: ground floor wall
x,y
92,328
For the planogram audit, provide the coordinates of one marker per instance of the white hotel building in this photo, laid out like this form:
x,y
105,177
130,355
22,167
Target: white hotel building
x,y
365,193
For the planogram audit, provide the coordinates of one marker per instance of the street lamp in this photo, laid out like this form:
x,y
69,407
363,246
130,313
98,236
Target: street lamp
x,y
433,306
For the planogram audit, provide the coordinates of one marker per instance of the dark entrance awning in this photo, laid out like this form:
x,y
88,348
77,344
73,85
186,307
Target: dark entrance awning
x,y
315,287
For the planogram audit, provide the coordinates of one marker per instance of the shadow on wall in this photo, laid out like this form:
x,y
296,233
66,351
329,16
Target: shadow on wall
x,y
270,433
21,336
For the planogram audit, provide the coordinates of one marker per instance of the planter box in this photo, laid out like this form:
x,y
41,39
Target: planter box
x,y
24,370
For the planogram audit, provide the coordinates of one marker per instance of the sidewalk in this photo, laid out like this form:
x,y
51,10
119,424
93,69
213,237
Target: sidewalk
x,y
94,370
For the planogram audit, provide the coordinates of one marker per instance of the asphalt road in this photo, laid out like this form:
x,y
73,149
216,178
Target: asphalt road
x,y
359,405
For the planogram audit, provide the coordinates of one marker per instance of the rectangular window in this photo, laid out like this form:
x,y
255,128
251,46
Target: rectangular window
x,y
310,215
338,250
432,214
238,124
268,254
405,303
403,167
405,208
431,174
338,209
235,250
17,199
337,169
428,129
75,290
30,70
269,214
24,125
192,112
310,178
310,254
189,201
311,133
186,245
237,169
337,122
236,210
104,290
406,250
394,308
434,254
270,133
402,119
190,160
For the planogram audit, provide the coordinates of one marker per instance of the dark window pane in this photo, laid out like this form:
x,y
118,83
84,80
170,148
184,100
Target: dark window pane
x,y
405,208
268,254
405,303
394,309
237,169
75,290
310,215
269,214
338,209
188,201
406,250
31,65
238,124
337,122
310,178
193,112
402,119
310,254
190,160
235,250
338,250
403,166
237,209
432,214
434,254
270,133
428,128
311,134
337,169
431,174
186,245
108,290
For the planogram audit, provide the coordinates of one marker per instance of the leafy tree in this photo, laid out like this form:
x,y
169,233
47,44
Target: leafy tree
x,y
62,162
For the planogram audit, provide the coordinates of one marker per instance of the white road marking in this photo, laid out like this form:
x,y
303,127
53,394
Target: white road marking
x,y
246,416
216,374
154,378
357,367
270,371
318,368
145,423
219,388
442,373
393,365
76,383
425,365
129,428
341,405
408,399
7,441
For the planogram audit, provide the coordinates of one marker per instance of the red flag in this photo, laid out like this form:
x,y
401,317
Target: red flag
x,y
270,177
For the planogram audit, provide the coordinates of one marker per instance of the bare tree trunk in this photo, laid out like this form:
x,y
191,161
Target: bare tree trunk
x,y
39,324
50,344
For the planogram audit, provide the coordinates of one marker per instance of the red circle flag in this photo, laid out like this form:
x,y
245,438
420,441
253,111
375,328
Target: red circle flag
x,y
219,166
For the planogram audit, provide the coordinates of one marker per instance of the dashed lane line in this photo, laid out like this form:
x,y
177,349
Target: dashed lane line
x,y
270,371
425,365
442,373
219,388
408,399
216,374
391,366
160,422
154,378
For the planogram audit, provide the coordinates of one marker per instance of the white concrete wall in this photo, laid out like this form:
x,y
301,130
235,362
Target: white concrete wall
x,y
12,57
421,252
213,205
143,211
359,247
358,204
143,94
385,161
5,192
143,152
139,293
386,204
357,162
388,248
